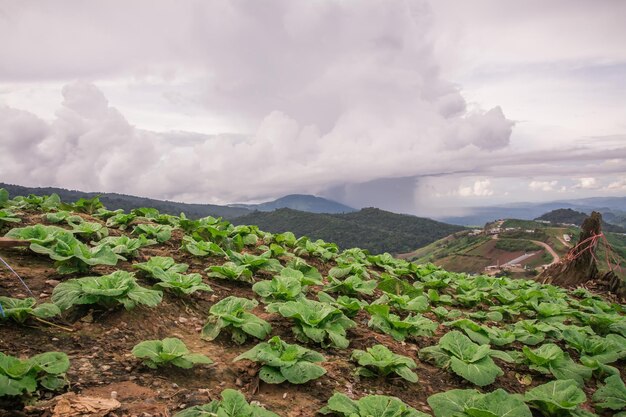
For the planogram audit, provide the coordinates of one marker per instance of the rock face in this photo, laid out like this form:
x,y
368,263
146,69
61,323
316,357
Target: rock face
x,y
579,265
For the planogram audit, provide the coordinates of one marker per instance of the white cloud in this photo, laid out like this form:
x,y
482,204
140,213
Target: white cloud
x,y
295,97
542,185
619,185
587,183
481,188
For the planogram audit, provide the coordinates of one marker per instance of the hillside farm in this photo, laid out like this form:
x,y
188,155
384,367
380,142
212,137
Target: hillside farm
x,y
141,313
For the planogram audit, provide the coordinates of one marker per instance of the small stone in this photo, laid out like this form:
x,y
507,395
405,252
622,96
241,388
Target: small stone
x,y
53,282
55,339
88,318
284,395
174,385
239,382
105,367
183,320
44,295
182,406
128,369
113,395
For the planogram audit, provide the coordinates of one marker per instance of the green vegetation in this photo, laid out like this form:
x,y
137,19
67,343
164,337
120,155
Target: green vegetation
x,y
465,358
232,404
556,398
169,351
20,310
369,406
517,245
315,321
22,377
372,229
232,313
379,360
284,362
471,403
397,327
612,395
120,287
569,342
569,216
70,254
286,286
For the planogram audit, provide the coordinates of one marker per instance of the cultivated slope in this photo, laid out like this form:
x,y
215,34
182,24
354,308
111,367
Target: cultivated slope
x,y
538,334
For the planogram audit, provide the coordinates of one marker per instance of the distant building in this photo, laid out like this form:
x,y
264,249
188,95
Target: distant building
x,y
567,238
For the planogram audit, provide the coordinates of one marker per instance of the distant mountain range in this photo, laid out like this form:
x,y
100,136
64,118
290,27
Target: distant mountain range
x,y
373,229
612,208
302,202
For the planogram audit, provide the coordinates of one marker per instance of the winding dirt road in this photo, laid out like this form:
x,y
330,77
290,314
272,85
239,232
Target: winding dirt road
x,y
555,256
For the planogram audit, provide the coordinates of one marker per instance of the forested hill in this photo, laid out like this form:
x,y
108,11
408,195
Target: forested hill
x,y
569,216
373,229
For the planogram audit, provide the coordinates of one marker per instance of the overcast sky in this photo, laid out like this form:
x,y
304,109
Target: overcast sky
x,y
414,106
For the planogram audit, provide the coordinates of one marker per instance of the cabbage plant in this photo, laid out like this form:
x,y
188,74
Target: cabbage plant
x,y
288,285
233,313
202,247
70,254
8,216
160,232
398,328
21,309
315,321
171,350
612,395
232,272
120,287
232,404
19,377
284,362
556,398
348,305
89,230
369,406
158,266
125,247
255,262
471,403
551,359
379,360
465,358
182,284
